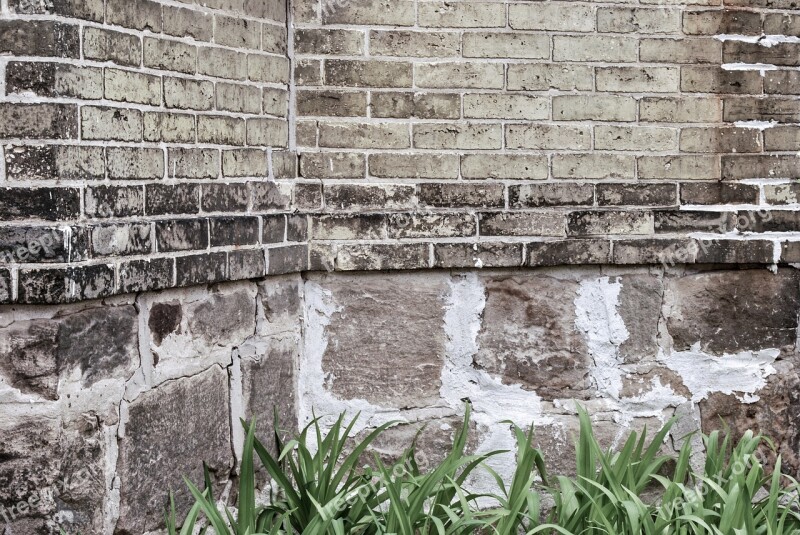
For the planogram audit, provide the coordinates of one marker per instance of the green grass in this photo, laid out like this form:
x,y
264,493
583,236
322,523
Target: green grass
x,y
320,486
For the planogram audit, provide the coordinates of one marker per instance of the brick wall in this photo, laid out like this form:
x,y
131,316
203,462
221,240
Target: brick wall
x,y
143,146
462,134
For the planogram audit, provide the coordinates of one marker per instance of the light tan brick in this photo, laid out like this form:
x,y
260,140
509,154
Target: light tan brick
x,y
185,93
720,140
128,86
593,166
548,137
238,98
594,108
458,136
680,110
544,76
679,167
416,44
357,73
271,69
638,20
332,165
504,166
170,55
422,165
638,79
375,13
461,14
328,41
364,136
462,75
498,106
680,50
552,16
111,123
505,45
595,48
169,127
222,63
635,138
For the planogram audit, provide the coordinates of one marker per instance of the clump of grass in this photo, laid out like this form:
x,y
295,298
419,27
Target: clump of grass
x,y
318,487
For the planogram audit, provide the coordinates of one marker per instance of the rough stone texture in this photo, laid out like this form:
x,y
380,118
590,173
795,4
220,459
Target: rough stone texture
x,y
170,432
529,336
359,332
733,311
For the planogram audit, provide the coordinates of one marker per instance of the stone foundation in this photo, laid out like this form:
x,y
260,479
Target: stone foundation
x,y
104,406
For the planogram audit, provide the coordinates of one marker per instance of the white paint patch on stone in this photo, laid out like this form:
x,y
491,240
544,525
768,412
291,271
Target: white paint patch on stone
x,y
742,374
598,318
492,401
757,125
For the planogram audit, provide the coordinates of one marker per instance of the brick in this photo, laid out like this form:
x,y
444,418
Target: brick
x,y
222,63
244,163
736,167
457,136
594,108
306,133
502,166
707,79
65,285
781,24
364,135
685,109
731,22
635,138
188,23
267,132
54,162
127,86
200,269
361,257
246,264
307,196
269,196
220,130
671,221
121,239
273,229
775,54
550,195
113,201
638,20
118,124
595,48
462,195
193,163
24,244
54,80
717,140
237,32
284,164
184,93
419,105
349,227
373,73
48,204
287,259
494,106
274,39
40,38
332,103
329,42
461,15
638,79
548,137
134,163
505,45
637,195
238,98
362,197
465,75
297,228
169,127
679,167
223,197
383,12
595,223
38,121
782,193
736,252
170,55
552,16
414,44
719,193
182,235
332,165
477,255
768,109
106,45
665,251
593,166
544,76
680,51
275,102
768,221
81,9
272,69
522,224
237,231
568,252
146,275
392,165
272,9
134,14
419,225
782,138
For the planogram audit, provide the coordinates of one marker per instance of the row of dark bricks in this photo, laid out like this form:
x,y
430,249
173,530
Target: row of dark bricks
x,y
40,244
104,201
69,284
78,283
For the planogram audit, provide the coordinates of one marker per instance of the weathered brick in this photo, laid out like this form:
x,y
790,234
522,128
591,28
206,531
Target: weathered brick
x,y
594,108
65,285
119,124
477,255
273,229
275,102
638,79
237,32
38,121
419,105
223,197
721,140
462,195
638,138
593,166
267,132
553,16
544,76
505,45
220,130
362,197
734,22
24,244
637,195
107,45
246,264
82,9
134,14
360,257
383,12
707,79
48,204
348,227
364,135
332,103
236,231
54,80
121,239
392,165
114,201
201,269
193,163
569,252
638,20
775,54
502,166
42,38
719,193
736,167
595,48
549,195
287,259
272,69
680,50
222,63
238,98
780,110
413,44
670,221
274,39
54,162
359,73
522,224
128,86
134,163
680,110
170,55
466,75
169,127
185,93
494,106
269,196
782,138
182,234
332,165
461,15
419,225
548,137
679,167
188,23
327,41
244,163
594,223
457,136
146,275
